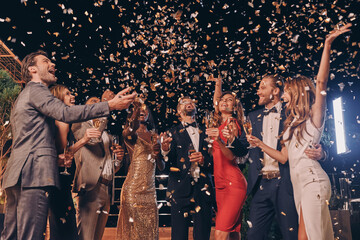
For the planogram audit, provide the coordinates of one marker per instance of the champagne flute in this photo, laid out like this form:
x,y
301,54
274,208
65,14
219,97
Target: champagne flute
x,y
248,128
194,169
115,144
97,123
209,123
68,155
230,127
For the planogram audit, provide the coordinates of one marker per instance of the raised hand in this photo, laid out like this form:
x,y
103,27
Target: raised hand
x,y
196,157
337,32
165,141
119,151
91,133
254,141
213,132
122,101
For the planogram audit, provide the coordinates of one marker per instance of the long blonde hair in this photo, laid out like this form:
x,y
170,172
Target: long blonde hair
x,y
58,91
238,112
302,93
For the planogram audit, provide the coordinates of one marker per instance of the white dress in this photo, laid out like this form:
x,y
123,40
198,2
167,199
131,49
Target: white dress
x,y
312,189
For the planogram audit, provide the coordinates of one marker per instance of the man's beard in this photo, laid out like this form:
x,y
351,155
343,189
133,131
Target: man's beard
x,y
48,78
190,112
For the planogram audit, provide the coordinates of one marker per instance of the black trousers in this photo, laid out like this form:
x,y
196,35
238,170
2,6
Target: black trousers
x,y
271,199
181,217
62,216
26,212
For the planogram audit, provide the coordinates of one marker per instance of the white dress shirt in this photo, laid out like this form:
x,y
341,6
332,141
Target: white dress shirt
x,y
271,124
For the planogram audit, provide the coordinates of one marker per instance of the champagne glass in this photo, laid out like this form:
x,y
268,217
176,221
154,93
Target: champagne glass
x,y
115,144
194,169
230,127
68,155
248,128
97,123
209,123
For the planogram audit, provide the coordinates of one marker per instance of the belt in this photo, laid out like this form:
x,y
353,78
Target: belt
x,y
105,181
270,175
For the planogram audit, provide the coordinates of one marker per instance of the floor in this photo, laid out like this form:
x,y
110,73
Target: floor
x,y
164,233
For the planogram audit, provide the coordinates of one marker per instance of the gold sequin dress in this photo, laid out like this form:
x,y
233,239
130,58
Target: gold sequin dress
x,y
138,216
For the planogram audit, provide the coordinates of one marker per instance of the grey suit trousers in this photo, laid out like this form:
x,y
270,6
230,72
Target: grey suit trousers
x,y
31,224
92,212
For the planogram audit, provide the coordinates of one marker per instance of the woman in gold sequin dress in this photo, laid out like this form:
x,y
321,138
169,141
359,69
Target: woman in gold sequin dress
x,y
138,216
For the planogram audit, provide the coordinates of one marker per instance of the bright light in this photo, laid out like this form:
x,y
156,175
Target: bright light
x,y
339,126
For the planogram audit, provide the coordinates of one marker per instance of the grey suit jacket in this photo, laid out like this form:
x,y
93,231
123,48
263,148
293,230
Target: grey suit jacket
x,y
90,159
33,160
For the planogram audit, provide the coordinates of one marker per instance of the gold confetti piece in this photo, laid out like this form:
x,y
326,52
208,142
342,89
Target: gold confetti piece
x,y
174,169
283,213
197,209
182,159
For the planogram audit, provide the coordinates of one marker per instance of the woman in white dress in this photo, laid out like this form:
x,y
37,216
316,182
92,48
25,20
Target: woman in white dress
x,y
305,111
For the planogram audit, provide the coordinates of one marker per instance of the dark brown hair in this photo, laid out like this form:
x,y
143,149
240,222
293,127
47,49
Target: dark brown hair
x,y
238,112
28,61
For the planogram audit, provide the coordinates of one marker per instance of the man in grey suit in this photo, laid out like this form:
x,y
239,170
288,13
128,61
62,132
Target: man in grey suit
x,y
32,170
94,173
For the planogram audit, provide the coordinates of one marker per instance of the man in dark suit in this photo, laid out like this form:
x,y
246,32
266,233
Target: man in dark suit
x,y
269,181
32,170
190,189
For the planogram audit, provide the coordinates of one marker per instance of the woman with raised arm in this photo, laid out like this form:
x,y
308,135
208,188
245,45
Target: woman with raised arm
x,y
138,216
305,111
230,183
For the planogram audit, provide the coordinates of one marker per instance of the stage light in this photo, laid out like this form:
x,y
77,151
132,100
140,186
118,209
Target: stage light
x,y
339,126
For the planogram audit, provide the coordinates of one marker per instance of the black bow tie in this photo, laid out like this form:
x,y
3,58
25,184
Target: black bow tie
x,y
190,125
271,110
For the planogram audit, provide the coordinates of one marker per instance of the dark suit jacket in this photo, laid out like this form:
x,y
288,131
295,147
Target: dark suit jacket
x,y
34,156
256,154
180,188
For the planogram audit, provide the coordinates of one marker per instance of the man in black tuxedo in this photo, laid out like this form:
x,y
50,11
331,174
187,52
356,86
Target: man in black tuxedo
x,y
268,180
190,189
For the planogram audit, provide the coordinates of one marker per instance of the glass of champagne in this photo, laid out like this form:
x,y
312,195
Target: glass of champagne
x,y
115,144
68,155
209,123
230,127
194,169
97,123
248,128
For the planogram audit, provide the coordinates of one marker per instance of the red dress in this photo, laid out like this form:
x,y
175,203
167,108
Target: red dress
x,y
230,186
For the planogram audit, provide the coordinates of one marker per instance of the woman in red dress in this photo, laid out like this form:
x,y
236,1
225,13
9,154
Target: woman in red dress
x,y
230,183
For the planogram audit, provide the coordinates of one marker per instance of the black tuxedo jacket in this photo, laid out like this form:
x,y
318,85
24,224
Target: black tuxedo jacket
x,y
182,189
255,154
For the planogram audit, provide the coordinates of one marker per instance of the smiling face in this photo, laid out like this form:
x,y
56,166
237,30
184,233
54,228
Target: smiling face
x,y
44,69
226,103
186,107
286,97
69,99
144,113
265,91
